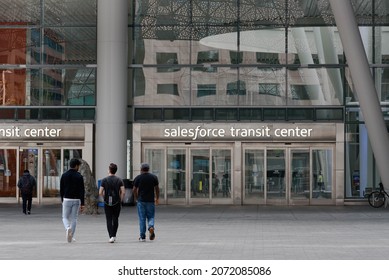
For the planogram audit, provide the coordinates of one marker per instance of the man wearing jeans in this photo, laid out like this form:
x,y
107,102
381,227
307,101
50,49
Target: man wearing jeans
x,y
146,191
72,192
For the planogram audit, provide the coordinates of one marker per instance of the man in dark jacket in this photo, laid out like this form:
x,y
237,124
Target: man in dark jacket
x,y
72,192
27,184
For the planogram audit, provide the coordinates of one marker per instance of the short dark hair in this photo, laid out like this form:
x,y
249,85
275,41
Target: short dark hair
x,y
74,162
113,168
145,167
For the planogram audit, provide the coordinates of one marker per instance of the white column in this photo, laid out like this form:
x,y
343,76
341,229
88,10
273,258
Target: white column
x,y
364,84
111,116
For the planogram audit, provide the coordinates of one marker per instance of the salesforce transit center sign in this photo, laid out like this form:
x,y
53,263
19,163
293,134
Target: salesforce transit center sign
x,y
239,132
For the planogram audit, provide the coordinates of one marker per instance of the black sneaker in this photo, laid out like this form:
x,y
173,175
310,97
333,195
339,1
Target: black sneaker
x,y
152,234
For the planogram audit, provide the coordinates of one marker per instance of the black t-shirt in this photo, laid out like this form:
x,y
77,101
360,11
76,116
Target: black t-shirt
x,y
146,183
111,185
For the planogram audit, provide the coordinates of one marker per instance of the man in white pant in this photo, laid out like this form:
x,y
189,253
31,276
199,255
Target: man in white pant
x,y
72,192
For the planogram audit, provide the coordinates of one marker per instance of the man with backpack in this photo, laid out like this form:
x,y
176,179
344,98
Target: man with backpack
x,y
26,184
112,191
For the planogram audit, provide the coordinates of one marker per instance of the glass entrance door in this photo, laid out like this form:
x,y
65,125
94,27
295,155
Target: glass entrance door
x,y
275,176
191,175
47,166
28,160
299,175
199,177
293,175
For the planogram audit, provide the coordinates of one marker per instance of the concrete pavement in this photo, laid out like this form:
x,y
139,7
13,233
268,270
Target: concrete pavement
x,y
202,232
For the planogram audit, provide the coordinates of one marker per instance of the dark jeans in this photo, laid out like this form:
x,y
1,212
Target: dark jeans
x,y
27,200
112,214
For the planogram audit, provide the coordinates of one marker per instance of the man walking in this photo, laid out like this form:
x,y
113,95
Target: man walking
x,y
112,191
72,192
27,184
146,191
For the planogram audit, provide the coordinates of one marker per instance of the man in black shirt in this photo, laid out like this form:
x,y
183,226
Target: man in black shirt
x,y
112,191
72,192
146,191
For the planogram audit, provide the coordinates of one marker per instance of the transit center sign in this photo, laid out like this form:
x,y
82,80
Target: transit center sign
x,y
239,132
33,132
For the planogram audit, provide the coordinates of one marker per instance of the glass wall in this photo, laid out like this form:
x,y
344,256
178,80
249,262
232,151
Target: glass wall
x,y
257,61
47,57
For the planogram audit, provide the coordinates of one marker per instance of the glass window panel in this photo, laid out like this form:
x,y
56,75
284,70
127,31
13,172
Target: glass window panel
x,y
321,86
275,174
8,176
329,114
213,87
158,51
64,87
300,171
21,12
176,173
205,90
380,13
70,12
322,168
236,88
7,114
304,49
247,114
167,89
254,171
82,114
147,114
200,174
207,57
383,74
13,87
148,79
68,155
236,57
220,181
157,161
167,59
274,114
70,45
203,114
300,114
225,114
263,86
53,114
28,114
176,114
51,172
28,160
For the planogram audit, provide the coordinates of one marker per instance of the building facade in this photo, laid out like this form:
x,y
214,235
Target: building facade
x,y
231,102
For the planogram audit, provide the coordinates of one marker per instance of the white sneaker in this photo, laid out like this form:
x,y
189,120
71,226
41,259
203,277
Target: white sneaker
x,y
112,240
69,235
142,239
